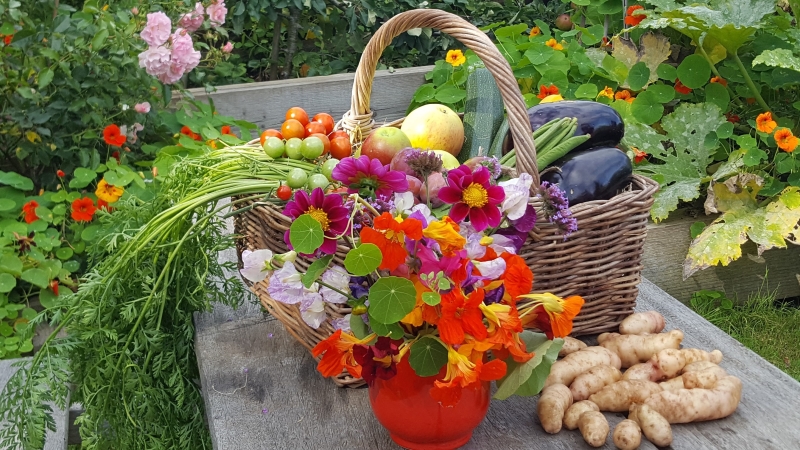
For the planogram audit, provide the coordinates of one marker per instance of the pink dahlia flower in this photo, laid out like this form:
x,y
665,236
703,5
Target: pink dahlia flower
x,y
472,195
325,209
369,178
157,30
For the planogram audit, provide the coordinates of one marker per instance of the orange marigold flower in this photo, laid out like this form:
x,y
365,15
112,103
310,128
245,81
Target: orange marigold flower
x,y
535,31
83,210
553,314
607,92
337,354
29,211
456,58
786,140
544,91
634,18
638,155
461,315
390,236
445,233
764,123
552,43
113,136
680,88
719,80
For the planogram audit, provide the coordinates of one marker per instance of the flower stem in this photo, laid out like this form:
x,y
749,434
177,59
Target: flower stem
x,y
750,84
731,92
349,296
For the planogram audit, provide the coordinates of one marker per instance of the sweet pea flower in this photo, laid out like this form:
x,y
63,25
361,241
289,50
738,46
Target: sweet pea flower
x,y
193,20
517,193
157,30
403,202
142,108
312,310
493,269
339,279
216,12
228,47
286,286
257,265
342,323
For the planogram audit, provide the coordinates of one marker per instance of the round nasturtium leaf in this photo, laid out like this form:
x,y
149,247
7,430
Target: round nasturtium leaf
x,y
694,72
646,109
7,282
667,72
718,95
306,234
587,90
64,253
363,259
638,76
391,299
7,204
661,92
427,356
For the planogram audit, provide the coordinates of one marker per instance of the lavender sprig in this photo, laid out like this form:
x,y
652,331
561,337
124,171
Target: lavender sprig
x,y
556,209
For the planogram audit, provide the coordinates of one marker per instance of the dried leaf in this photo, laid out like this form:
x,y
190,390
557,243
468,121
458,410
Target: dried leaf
x,y
653,50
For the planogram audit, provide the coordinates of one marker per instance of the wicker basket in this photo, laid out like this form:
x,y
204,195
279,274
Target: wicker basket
x,y
600,262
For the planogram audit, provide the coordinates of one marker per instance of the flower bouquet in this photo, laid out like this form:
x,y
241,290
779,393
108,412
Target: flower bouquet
x,y
433,292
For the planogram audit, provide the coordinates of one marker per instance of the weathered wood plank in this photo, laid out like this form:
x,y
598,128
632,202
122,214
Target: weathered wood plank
x,y
265,103
281,402
665,251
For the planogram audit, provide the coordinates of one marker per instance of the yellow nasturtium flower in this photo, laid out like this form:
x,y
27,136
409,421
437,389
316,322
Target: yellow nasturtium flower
x,y
108,192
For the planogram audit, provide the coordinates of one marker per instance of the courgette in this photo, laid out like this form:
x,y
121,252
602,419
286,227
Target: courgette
x,y
483,114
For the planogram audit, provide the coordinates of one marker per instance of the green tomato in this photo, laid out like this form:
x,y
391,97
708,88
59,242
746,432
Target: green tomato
x,y
312,147
327,167
274,147
317,180
293,146
297,178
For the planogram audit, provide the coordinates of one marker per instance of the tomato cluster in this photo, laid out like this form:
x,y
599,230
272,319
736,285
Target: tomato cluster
x,y
297,125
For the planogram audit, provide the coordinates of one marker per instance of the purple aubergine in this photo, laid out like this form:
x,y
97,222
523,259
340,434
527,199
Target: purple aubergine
x,y
598,120
592,174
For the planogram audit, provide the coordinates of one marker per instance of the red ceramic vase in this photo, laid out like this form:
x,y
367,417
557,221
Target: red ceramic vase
x,y
404,406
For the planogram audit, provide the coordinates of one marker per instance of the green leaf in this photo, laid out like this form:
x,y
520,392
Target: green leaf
x,y
99,39
661,92
45,78
645,138
539,375
779,57
392,330
44,213
16,180
11,264
306,234
7,204
638,76
588,91
424,93
47,298
431,298
450,95
29,313
314,271
647,109
358,327
753,156
784,163
25,347
652,51
363,259
36,277
391,299
718,94
7,28
725,130
667,72
696,229
90,233
7,282
539,53
427,356
694,72
511,30
518,374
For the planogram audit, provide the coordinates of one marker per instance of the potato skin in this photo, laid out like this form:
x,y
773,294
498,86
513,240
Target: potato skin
x,y
593,380
695,405
633,348
552,405
621,395
654,426
627,435
574,413
565,370
594,428
571,345
642,323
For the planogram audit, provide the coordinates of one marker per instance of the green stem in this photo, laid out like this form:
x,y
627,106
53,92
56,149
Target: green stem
x,y
750,83
324,284
731,92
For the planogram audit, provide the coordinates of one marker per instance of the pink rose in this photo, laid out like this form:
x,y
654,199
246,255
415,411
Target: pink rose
x,y
157,30
142,108
135,11
217,12
193,20
183,53
155,60
227,48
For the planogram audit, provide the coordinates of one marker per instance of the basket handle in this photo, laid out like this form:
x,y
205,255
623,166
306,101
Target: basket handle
x,y
358,119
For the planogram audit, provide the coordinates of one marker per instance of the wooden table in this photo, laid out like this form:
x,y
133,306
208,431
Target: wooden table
x,y
262,392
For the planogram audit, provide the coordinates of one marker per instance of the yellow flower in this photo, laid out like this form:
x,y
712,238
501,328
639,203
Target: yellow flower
x,y
535,31
607,92
445,233
456,58
552,43
560,312
552,98
108,192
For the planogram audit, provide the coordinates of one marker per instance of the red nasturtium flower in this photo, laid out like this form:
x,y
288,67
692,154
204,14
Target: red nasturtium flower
x,y
390,236
632,17
185,130
638,155
337,354
113,136
461,315
54,287
732,118
517,279
680,88
7,38
83,210
544,91
102,204
226,129
29,210
60,173
719,80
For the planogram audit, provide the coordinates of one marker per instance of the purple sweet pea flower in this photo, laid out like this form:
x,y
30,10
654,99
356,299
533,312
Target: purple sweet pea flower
x,y
369,178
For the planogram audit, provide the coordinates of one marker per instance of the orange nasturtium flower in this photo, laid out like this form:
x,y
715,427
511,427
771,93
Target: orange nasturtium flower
x,y
337,354
719,80
552,43
390,236
607,92
113,136
638,155
764,123
632,17
461,315
504,328
456,58
445,233
226,129
786,140
535,31
29,210
544,91
83,210
680,88
625,95
108,192
553,314
464,367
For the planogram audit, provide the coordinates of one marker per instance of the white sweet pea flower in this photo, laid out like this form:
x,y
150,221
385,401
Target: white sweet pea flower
x,y
257,265
425,211
493,269
285,285
338,278
502,244
517,192
475,249
403,202
312,309
342,324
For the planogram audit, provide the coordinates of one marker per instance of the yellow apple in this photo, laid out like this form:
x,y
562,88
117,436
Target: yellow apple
x,y
434,127
449,162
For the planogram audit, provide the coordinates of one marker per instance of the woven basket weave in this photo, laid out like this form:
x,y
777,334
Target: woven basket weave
x,y
600,262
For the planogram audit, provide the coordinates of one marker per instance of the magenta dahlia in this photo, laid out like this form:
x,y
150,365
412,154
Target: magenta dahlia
x,y
369,178
472,195
325,209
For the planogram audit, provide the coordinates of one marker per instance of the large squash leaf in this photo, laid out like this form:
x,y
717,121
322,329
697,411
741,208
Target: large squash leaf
x,y
779,57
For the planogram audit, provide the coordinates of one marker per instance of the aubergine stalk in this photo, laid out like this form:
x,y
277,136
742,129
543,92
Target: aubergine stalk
x,y
591,174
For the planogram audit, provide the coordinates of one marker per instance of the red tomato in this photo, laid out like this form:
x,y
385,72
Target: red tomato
x,y
341,148
284,192
314,128
271,132
298,114
293,128
325,141
325,119
338,133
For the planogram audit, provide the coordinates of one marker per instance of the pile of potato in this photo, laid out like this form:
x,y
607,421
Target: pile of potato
x,y
661,384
